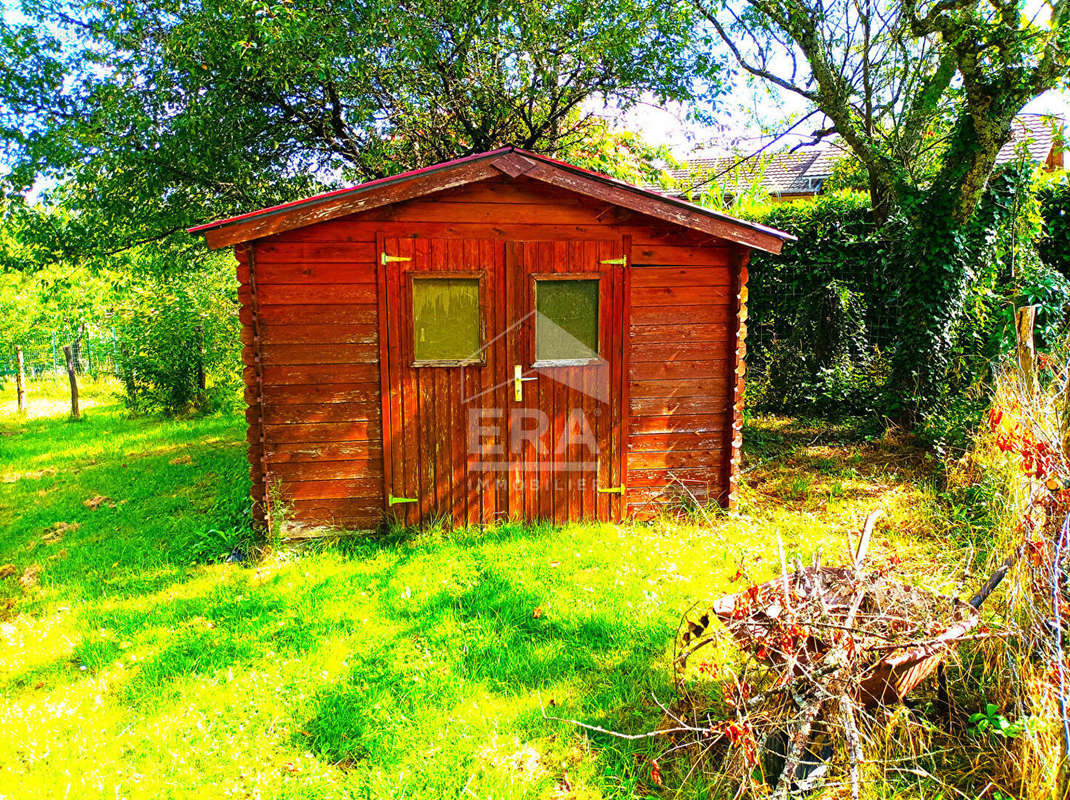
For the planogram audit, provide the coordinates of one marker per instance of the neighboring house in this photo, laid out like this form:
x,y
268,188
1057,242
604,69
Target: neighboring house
x,y
802,172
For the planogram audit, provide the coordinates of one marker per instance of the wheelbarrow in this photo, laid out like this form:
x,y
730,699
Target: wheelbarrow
x,y
890,678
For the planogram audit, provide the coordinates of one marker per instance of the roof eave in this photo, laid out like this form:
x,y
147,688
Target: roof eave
x,y
469,169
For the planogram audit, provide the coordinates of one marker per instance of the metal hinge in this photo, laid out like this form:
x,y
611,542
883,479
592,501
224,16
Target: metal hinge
x,y
615,490
622,261
387,259
393,501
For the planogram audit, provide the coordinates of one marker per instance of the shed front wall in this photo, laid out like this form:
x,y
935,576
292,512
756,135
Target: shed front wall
x,y
309,301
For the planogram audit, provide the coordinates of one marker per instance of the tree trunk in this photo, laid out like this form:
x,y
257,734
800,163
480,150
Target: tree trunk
x,y
20,379
76,352
1024,319
201,384
75,414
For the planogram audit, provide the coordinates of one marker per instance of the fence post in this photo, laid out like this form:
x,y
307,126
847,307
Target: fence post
x,y
201,385
20,379
74,381
1024,319
88,351
55,359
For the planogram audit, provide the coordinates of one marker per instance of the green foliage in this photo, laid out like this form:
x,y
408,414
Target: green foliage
x,y
1053,197
857,317
171,331
818,318
622,154
162,312
991,722
152,115
848,174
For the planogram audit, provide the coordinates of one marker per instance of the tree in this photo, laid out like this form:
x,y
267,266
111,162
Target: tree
x,y
157,113
924,93
898,80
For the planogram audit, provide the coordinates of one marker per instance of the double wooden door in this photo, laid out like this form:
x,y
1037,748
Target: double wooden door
x,y
505,379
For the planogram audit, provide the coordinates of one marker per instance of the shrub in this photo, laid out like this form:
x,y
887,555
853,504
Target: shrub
x,y
178,341
819,320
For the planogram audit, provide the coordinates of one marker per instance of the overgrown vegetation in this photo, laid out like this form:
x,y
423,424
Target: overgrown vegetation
x,y
824,315
133,660
924,95
164,320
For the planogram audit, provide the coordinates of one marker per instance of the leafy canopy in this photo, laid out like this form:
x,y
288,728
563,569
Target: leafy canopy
x,y
155,113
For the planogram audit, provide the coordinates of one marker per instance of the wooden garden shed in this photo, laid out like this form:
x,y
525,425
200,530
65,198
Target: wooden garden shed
x,y
499,336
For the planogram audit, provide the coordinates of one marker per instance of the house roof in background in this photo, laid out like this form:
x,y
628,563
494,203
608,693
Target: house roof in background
x,y
510,161
803,170
1039,133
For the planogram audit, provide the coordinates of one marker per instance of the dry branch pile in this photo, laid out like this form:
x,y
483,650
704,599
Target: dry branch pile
x,y
801,661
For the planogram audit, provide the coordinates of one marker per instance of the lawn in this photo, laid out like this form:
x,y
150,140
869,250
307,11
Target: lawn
x,y
134,663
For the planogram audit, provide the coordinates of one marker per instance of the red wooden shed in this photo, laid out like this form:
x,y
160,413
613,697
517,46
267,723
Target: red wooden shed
x,y
500,336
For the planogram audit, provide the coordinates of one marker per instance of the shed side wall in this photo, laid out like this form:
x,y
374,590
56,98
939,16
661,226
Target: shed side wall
x,y
318,292
682,336
319,350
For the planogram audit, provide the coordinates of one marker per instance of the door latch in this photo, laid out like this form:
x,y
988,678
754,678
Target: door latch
x,y
614,490
393,501
518,382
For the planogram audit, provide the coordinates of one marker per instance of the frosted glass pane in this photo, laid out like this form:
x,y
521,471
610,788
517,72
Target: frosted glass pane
x,y
566,325
445,319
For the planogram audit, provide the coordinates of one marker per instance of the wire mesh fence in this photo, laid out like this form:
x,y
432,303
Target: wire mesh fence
x,y
94,351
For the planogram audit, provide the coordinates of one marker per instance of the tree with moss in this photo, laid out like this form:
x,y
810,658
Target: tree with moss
x,y
923,93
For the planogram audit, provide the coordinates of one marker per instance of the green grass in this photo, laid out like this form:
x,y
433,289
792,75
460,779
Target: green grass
x,y
134,664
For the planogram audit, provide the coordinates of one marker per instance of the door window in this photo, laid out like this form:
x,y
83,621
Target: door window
x,y
447,321
566,321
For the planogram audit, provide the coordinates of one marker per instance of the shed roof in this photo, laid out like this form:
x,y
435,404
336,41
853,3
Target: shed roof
x,y
510,161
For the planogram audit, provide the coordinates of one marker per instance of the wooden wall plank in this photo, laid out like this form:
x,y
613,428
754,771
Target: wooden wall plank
x,y
307,354
321,470
656,277
311,374
357,392
354,431
318,294
319,334
307,413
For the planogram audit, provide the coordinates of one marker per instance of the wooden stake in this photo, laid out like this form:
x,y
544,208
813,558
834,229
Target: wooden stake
x,y
1024,320
201,384
20,379
863,543
74,381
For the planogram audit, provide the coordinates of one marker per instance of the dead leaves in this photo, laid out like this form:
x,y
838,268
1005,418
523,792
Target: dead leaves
x,y
57,530
32,475
7,571
95,502
186,459
30,577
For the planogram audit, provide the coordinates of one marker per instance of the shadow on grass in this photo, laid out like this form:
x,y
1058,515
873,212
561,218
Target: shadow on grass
x,y
455,648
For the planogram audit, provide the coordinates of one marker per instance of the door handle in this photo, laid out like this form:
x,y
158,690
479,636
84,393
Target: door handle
x,y
518,382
